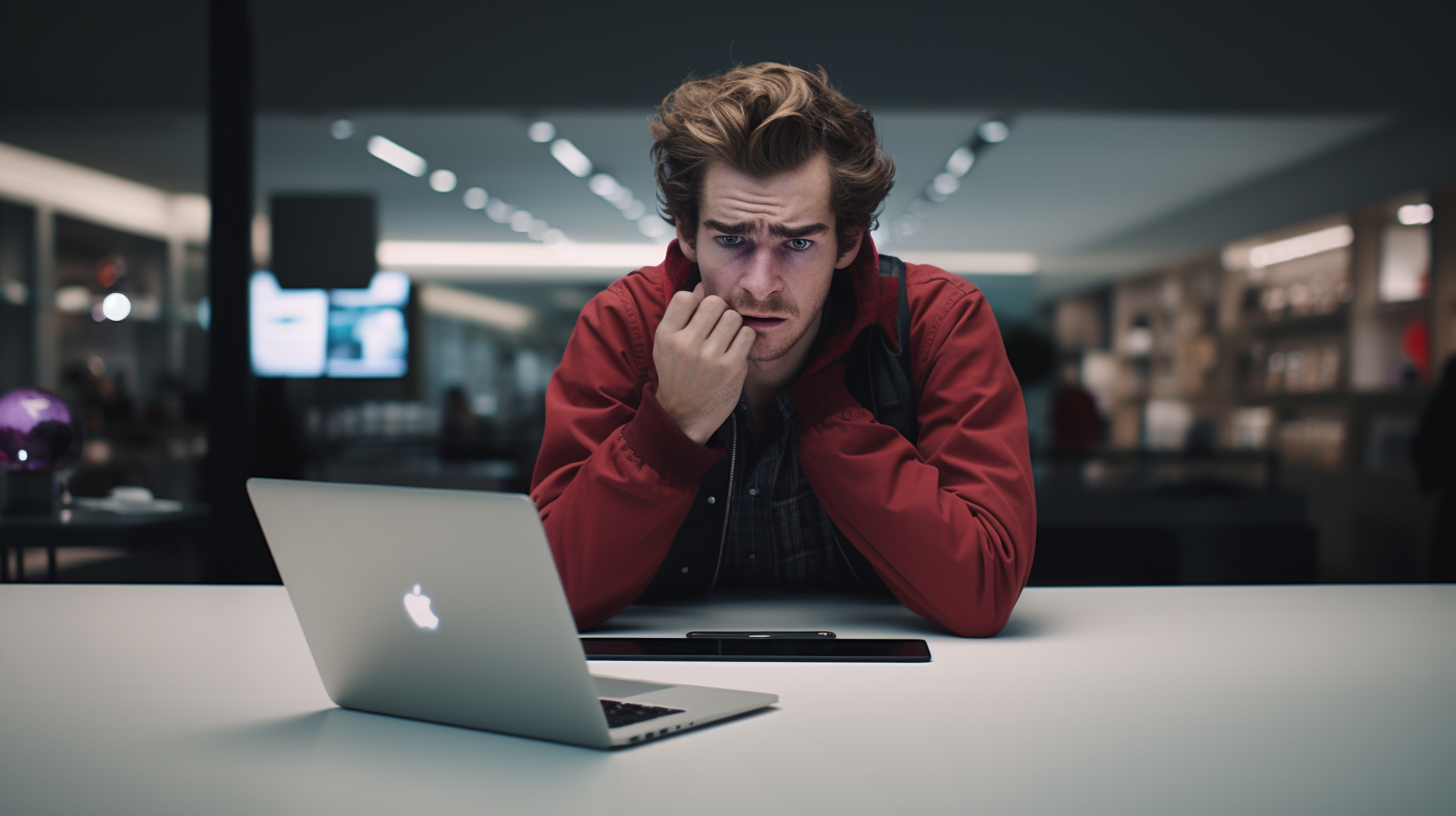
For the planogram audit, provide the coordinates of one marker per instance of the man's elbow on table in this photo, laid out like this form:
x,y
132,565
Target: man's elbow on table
x,y
983,610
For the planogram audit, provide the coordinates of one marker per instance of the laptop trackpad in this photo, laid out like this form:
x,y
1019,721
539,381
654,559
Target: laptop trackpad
x,y
617,688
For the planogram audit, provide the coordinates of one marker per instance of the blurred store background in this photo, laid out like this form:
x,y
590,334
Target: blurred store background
x,y
1218,243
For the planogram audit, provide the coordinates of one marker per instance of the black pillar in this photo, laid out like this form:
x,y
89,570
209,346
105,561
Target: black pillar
x,y
235,552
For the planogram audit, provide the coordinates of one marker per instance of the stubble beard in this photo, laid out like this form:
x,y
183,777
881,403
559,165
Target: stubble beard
x,y
777,352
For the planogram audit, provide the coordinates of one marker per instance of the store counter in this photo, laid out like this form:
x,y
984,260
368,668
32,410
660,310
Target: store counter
x,y
1189,700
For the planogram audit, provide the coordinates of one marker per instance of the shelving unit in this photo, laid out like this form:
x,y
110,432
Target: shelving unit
x,y
1319,343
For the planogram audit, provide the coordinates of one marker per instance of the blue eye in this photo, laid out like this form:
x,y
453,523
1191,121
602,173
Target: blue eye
x,y
730,240
800,244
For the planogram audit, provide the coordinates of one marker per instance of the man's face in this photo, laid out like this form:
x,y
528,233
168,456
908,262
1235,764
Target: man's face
x,y
767,247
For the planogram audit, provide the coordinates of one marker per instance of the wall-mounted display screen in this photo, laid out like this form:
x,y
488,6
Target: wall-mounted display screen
x,y
335,333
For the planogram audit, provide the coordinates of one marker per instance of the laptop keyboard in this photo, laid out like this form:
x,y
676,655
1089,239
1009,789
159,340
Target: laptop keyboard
x,y
620,714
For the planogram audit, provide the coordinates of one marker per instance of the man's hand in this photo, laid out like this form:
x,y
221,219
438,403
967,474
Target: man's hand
x,y
701,353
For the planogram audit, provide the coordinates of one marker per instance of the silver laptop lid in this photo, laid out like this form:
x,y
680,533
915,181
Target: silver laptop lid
x,y
440,605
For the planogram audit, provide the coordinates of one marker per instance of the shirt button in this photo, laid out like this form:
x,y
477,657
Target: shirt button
x,y
752,557
753,491
712,500
685,569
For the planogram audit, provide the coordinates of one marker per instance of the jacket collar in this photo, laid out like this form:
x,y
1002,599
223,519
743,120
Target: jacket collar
x,y
858,298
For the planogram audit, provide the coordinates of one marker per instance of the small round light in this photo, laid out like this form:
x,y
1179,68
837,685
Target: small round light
x,y
521,220
15,292
960,161
554,237
945,184
537,230
499,211
604,185
541,132
442,181
342,129
475,198
994,131
116,306
635,210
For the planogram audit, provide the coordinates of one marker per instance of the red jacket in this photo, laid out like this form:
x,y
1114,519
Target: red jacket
x,y
948,523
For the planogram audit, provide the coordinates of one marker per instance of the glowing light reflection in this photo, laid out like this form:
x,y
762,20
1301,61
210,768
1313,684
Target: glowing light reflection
x,y
1415,214
571,158
397,156
442,181
116,306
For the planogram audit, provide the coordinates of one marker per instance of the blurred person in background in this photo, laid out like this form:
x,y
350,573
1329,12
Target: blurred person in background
x,y
1433,450
700,432
1076,423
463,435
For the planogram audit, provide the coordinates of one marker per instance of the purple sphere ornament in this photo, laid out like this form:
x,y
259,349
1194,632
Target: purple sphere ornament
x,y
38,436
37,431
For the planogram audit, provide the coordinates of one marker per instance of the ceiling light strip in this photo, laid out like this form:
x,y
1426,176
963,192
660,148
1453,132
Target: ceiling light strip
x,y
466,254
948,181
34,178
397,156
444,301
474,198
1301,246
604,185
976,263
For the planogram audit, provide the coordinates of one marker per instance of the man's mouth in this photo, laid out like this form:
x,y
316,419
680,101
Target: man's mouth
x,y
763,322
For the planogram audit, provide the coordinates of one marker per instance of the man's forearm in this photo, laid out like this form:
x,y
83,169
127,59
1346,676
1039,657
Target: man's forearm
x,y
957,555
611,517
949,522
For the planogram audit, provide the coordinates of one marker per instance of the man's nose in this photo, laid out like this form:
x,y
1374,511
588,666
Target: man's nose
x,y
763,276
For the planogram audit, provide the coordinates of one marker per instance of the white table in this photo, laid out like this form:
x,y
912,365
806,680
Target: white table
x,y
1183,700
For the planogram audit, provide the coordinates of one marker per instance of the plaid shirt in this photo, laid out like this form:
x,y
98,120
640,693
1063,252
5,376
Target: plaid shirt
x,y
779,536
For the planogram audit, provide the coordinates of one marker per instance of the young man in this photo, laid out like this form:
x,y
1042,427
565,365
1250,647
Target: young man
x,y
699,430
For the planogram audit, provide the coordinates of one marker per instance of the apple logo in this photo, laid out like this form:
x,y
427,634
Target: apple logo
x,y
418,607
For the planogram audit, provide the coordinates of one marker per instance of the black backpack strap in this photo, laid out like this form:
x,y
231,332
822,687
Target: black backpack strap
x,y
879,377
902,324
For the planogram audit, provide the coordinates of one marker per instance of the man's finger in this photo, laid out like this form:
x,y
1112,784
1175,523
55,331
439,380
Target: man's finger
x,y
680,310
742,343
710,309
723,334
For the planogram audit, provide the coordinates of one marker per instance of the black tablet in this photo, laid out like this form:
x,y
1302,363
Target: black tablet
x,y
841,650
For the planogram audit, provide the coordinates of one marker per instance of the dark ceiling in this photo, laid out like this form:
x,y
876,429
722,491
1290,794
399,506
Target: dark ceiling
x,y
312,56
122,87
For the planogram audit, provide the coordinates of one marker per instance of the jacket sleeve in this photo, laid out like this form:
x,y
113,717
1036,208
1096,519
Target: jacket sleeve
x,y
615,476
949,523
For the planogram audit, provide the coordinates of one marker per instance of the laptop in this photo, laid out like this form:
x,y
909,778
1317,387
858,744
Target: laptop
x,y
445,606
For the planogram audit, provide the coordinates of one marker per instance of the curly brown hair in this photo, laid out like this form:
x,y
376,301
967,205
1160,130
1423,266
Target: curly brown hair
x,y
762,120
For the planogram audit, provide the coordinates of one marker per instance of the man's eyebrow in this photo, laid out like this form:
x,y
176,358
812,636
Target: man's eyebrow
x,y
796,232
778,230
730,229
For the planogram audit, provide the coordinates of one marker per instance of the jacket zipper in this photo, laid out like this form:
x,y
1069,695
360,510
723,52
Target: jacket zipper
x,y
728,499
